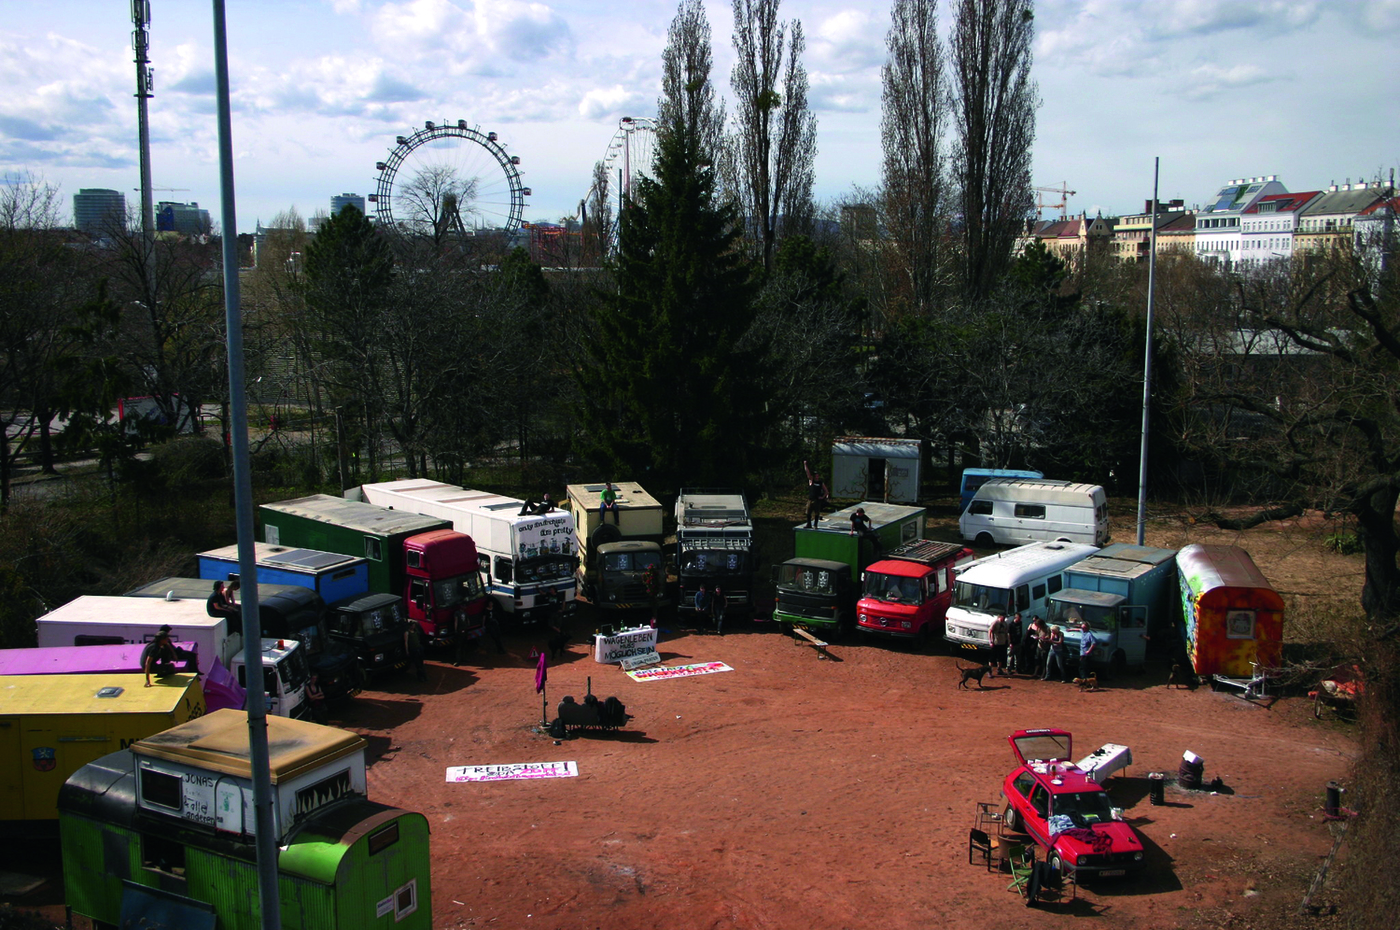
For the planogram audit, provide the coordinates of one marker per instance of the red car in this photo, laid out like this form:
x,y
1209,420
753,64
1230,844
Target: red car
x,y
1065,811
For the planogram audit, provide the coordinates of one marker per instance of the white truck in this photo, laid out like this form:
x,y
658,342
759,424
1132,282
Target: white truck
x,y
527,558
714,547
99,620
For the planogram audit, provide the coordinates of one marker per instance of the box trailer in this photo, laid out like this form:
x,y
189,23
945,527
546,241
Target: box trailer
x,y
166,828
528,558
332,575
1233,617
102,620
53,725
1127,594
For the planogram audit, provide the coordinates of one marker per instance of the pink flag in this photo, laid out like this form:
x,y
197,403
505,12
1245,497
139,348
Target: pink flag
x,y
541,673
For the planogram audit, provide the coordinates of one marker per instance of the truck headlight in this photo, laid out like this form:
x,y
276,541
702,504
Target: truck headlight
x,y
863,618
906,624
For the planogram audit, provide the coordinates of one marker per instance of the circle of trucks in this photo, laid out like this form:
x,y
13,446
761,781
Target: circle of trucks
x,y
151,786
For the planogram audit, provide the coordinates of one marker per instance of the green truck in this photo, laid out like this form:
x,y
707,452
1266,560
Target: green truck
x,y
161,833
818,588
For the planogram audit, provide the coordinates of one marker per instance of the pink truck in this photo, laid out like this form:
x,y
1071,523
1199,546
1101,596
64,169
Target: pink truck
x,y
220,688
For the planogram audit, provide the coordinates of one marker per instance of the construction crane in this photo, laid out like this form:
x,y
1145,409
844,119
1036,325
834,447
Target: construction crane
x,y
1064,192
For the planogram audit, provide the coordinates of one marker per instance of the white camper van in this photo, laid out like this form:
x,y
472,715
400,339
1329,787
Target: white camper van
x,y
1015,511
1018,580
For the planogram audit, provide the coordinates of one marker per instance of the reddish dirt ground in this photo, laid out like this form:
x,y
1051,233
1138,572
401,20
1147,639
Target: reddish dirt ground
x,y
799,793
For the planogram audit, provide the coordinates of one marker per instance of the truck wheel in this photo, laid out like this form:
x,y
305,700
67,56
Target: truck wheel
x,y
984,541
608,532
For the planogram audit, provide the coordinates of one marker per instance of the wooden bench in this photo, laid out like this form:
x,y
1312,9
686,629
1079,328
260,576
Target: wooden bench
x,y
807,639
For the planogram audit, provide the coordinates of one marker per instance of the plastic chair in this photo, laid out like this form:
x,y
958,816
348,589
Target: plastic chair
x,y
979,843
1021,860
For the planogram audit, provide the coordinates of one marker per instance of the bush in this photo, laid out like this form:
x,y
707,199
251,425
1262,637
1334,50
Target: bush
x,y
1343,543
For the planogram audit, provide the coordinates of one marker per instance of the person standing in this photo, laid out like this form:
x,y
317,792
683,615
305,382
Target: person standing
x,y
413,648
718,605
316,698
996,634
1056,657
1032,659
817,495
1014,632
702,603
1087,647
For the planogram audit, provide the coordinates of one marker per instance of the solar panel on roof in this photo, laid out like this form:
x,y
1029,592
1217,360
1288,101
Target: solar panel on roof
x,y
307,558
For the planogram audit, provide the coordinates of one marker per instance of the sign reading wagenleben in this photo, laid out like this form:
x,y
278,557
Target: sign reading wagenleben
x,y
624,645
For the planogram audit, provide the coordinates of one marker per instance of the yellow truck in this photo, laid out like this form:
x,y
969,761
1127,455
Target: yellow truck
x,y
53,725
620,560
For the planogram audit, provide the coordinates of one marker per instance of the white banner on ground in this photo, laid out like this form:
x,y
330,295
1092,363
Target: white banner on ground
x,y
623,645
679,671
512,772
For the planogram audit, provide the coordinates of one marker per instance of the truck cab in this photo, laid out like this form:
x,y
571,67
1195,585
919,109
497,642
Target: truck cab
x,y
815,592
292,612
444,589
626,573
714,547
372,626
907,593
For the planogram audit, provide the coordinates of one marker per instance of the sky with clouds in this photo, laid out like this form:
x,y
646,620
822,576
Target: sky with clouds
x,y
1217,88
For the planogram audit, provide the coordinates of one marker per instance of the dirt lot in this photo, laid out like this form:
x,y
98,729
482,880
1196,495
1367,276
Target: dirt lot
x,y
798,793
793,792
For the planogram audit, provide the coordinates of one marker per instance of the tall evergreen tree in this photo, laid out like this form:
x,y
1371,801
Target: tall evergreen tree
x,y
664,385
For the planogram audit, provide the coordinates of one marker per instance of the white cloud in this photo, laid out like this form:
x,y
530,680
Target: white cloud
x,y
614,101
851,40
1209,80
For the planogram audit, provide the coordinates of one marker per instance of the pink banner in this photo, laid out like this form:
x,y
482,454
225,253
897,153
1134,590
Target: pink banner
x,y
678,671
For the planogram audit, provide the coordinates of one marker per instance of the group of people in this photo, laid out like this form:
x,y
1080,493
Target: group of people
x,y
1037,650
712,605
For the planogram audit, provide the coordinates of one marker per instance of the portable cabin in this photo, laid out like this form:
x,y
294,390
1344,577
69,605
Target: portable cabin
x,y
1233,616
332,575
639,516
877,469
53,725
333,524
168,825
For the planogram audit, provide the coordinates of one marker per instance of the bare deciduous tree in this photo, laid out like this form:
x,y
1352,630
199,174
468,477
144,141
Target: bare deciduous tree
x,y
688,103
436,199
775,133
994,103
914,100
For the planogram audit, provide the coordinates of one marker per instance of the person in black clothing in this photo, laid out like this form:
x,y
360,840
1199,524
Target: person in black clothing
x,y
543,505
159,656
413,648
862,526
817,495
719,603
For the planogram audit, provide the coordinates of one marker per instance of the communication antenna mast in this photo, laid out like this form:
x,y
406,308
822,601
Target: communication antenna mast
x,y
141,18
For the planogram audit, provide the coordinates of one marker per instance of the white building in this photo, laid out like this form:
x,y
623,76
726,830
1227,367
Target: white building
x,y
1219,228
1266,228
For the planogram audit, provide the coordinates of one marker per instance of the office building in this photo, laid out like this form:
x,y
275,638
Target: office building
x,y
98,211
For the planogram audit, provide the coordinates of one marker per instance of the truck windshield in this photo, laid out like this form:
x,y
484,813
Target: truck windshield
x,y
311,639
980,598
449,592
631,561
894,588
545,569
373,622
806,578
293,669
712,560
1103,619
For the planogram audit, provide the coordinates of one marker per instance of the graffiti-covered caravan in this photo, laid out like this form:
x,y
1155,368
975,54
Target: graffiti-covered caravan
x,y
1233,616
166,828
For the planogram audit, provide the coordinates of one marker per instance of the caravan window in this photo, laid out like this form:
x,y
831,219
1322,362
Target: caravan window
x,y
372,549
1038,593
1054,583
1031,511
980,508
1023,597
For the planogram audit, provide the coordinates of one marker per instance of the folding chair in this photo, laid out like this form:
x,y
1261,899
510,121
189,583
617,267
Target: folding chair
x,y
979,843
1020,858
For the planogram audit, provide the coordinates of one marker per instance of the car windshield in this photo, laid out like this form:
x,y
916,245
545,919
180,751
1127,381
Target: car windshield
x,y
894,588
1085,808
980,598
311,637
449,592
806,578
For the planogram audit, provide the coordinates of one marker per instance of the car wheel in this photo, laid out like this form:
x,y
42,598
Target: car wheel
x,y
1057,867
984,541
1010,818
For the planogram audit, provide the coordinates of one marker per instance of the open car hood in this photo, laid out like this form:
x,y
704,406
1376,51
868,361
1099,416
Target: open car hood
x,y
1042,745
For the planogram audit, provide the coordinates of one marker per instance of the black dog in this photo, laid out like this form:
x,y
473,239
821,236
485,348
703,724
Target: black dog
x,y
975,673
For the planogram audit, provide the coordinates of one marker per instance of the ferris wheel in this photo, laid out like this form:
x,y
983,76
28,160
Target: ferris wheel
x,y
449,176
631,155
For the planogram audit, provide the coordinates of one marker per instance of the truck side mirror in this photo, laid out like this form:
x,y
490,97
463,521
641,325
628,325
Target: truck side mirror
x,y
773,573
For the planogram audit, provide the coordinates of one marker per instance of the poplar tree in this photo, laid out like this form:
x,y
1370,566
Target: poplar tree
x,y
665,395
